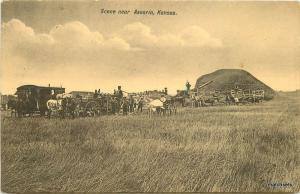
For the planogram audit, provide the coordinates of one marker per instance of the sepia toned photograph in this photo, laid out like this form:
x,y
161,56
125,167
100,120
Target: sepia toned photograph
x,y
150,96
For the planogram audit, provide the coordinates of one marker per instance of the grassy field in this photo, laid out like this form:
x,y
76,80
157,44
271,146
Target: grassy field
x,y
211,149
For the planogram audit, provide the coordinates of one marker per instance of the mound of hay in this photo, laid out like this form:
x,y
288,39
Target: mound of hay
x,y
228,79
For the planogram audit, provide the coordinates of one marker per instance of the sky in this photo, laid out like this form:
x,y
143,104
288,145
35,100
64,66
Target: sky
x,y
71,44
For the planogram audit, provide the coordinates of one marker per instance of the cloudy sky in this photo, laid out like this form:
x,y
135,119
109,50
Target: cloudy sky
x,y
72,44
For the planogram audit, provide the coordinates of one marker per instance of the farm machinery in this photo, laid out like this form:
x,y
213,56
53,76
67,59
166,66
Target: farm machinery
x,y
191,97
234,96
102,105
208,97
38,100
33,100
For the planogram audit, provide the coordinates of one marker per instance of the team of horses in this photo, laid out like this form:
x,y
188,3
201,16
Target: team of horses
x,y
68,105
65,105
161,107
21,108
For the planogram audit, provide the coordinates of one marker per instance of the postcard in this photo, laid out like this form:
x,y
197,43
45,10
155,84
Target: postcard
x,y
150,96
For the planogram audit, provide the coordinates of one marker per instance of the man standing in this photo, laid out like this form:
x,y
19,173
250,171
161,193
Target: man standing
x,y
63,110
95,94
125,106
114,105
120,92
131,104
99,93
72,107
188,86
140,104
119,95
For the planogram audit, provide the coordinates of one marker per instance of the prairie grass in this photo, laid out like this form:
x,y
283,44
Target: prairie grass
x,y
210,149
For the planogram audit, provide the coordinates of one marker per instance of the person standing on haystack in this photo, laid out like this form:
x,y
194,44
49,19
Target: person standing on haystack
x,y
188,87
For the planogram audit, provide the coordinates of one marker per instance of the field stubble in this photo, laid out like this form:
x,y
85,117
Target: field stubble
x,y
228,149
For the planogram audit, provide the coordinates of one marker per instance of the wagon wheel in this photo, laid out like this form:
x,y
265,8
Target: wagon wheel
x,y
92,108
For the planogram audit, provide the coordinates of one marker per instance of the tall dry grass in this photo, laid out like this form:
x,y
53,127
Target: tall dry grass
x,y
229,149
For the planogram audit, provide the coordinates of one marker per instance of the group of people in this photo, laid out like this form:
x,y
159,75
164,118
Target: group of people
x,y
129,104
97,93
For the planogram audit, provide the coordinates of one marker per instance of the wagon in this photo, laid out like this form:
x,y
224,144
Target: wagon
x,y
94,106
32,99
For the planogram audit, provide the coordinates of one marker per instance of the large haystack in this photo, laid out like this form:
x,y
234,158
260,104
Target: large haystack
x,y
228,79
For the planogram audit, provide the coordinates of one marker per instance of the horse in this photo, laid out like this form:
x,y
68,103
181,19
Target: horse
x,y
155,106
13,105
62,107
196,101
72,107
20,107
54,106
160,107
232,100
171,107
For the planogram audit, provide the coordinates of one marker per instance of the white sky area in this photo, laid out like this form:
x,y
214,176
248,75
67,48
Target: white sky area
x,y
72,44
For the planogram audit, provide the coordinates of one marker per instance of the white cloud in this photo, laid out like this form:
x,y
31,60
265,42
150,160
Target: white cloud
x,y
70,35
140,35
28,56
15,32
44,39
195,36
170,40
17,27
76,35
116,43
